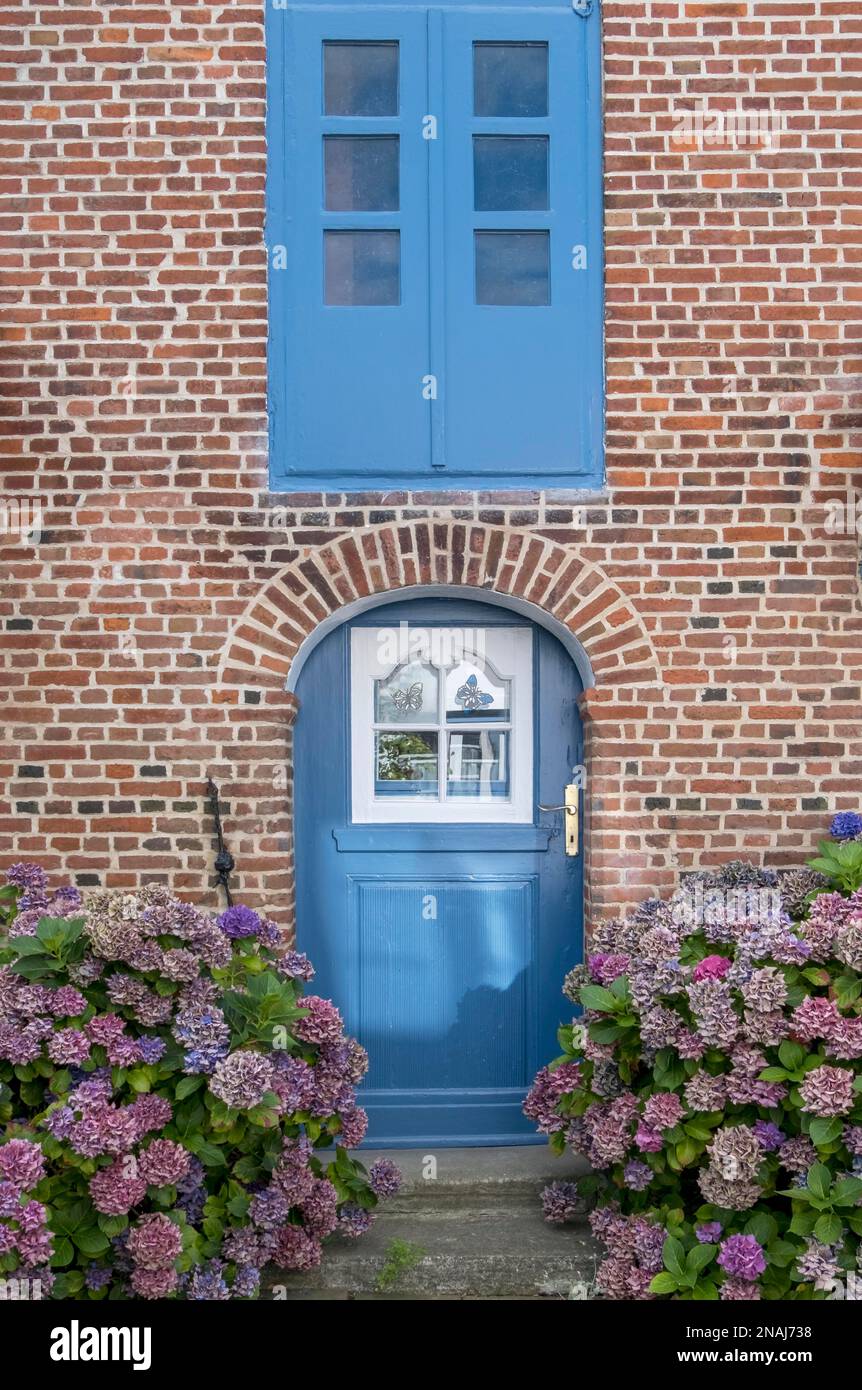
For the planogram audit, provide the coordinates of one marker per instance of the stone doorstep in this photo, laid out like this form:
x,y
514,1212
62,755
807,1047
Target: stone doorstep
x,y
433,1178
479,1224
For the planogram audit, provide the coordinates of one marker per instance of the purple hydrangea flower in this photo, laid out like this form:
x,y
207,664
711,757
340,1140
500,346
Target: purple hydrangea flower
x,y
163,1163
69,1047
742,1257
320,1208
246,1282
353,1221
708,1232
663,1111
354,1123
649,1141
739,1290
846,825
239,921
828,1091
384,1178
637,1175
323,1022
28,877
296,1249
296,965
22,1163
67,1002
242,1079
114,1192
560,1202
155,1242
768,1135
154,1283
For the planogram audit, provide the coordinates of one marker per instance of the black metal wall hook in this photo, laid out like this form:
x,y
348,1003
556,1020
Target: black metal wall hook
x,y
224,860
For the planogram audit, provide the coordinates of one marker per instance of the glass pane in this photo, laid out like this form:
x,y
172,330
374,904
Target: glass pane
x,y
473,694
408,696
510,173
478,764
363,267
360,79
361,173
510,79
513,268
406,764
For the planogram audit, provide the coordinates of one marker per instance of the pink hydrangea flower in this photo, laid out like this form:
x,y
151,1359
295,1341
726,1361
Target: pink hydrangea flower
x,y
163,1163
22,1163
296,1249
155,1242
828,1091
323,1023
712,968
115,1190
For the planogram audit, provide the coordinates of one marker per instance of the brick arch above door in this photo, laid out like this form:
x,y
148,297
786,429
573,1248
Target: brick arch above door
x,y
629,854
381,560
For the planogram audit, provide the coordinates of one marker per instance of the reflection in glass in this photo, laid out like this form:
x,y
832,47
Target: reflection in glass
x,y
361,173
362,268
473,694
510,173
408,696
360,79
478,763
513,268
406,764
510,79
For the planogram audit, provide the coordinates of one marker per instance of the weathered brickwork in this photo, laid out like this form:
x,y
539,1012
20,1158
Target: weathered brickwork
x,y
148,630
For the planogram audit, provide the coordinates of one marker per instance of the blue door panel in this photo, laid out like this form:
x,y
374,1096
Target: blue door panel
x,y
458,983
459,1006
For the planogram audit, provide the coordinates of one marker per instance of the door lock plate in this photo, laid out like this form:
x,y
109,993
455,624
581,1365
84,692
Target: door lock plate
x,y
571,818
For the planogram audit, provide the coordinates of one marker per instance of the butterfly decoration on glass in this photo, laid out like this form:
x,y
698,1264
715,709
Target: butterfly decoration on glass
x,y
409,699
470,697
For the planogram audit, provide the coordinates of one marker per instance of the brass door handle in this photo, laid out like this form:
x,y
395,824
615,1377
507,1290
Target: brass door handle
x,y
570,806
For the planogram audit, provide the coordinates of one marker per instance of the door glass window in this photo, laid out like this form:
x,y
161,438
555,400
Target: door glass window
x,y
408,696
446,735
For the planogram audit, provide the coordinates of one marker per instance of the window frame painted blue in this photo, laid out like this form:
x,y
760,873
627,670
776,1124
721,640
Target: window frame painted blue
x,y
416,453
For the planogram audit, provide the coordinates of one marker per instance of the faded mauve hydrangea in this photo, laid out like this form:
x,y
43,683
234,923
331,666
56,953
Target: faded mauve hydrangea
x,y
827,1091
155,1242
560,1202
323,1022
296,1249
22,1163
242,1079
163,1163
115,1190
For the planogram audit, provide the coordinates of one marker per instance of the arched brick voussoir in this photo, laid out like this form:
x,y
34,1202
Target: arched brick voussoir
x,y
490,559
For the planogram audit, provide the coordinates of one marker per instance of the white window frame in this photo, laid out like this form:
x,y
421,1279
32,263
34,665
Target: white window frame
x,y
509,650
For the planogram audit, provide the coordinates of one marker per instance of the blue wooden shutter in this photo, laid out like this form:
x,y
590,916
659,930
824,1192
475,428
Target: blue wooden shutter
x,y
347,394
487,366
522,385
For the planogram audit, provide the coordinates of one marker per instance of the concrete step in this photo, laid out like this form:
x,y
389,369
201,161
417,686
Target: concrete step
x,y
451,1179
467,1254
470,1224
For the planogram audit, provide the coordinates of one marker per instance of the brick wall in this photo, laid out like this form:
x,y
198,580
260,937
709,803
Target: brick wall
x,y
147,633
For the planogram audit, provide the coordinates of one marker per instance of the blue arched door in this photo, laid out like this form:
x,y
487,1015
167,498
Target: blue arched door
x,y
435,898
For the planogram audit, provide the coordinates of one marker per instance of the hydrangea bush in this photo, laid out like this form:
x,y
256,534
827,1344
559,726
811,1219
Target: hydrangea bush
x,y
176,1113
714,1083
